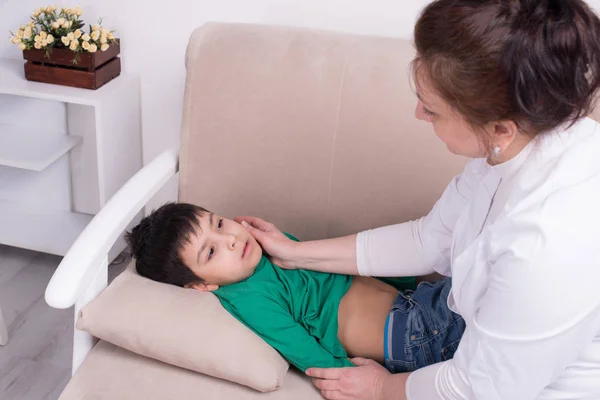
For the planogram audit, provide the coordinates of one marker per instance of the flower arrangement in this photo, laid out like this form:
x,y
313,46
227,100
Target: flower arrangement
x,y
51,29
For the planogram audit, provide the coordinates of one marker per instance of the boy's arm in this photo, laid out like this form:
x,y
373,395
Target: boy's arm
x,y
277,327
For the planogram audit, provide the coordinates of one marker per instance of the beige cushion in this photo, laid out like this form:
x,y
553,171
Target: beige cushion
x,y
182,327
112,373
312,130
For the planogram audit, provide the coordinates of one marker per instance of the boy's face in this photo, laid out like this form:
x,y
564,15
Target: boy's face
x,y
220,252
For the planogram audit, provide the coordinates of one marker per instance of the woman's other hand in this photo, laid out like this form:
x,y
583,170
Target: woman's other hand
x,y
279,247
367,381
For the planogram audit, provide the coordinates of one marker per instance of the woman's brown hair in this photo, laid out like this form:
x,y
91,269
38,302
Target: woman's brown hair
x,y
535,62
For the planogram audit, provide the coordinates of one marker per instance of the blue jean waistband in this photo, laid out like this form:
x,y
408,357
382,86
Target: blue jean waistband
x,y
420,329
386,337
394,319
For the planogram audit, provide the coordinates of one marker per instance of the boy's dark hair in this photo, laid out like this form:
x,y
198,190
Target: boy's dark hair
x,y
156,243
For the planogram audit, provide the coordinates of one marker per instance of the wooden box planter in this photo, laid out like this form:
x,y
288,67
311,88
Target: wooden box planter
x,y
92,70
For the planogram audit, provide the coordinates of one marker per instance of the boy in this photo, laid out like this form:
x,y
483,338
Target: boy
x,y
313,319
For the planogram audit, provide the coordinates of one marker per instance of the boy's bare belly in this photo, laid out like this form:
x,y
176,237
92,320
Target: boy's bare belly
x,y
361,317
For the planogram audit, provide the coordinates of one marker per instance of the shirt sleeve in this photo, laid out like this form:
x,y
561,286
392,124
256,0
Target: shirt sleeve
x,y
277,327
539,311
422,246
290,236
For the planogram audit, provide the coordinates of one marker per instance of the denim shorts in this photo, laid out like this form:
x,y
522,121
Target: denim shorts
x,y
420,329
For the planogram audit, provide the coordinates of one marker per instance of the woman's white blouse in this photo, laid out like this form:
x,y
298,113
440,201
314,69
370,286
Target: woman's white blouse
x,y
521,241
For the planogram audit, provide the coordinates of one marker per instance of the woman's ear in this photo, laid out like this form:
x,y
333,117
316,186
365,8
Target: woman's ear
x,y
504,132
202,287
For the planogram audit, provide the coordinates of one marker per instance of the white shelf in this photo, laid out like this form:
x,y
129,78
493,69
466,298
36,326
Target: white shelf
x,y
55,182
12,81
50,232
19,148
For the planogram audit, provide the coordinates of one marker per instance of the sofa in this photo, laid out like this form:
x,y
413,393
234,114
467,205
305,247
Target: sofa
x,y
312,130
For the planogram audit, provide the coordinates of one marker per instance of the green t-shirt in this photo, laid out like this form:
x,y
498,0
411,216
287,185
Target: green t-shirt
x,y
294,311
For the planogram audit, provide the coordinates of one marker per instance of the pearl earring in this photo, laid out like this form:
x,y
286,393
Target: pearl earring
x,y
497,150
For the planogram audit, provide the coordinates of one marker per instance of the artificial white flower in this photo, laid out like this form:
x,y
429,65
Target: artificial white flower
x,y
95,27
104,47
93,48
104,31
110,36
103,40
95,35
71,35
78,11
85,45
85,37
43,35
37,38
44,42
55,25
61,21
65,40
78,33
22,46
36,13
66,25
50,39
74,44
20,34
37,45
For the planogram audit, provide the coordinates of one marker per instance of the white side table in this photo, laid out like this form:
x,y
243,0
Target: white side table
x,y
58,170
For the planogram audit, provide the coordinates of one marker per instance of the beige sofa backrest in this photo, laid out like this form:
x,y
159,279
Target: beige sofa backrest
x,y
314,131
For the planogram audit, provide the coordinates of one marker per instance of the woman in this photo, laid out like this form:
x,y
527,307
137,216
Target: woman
x,y
508,83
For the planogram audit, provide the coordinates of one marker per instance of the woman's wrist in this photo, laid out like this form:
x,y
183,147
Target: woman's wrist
x,y
393,387
300,255
294,258
329,255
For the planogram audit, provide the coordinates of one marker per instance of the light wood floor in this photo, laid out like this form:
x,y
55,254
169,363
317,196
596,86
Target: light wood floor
x,y
36,362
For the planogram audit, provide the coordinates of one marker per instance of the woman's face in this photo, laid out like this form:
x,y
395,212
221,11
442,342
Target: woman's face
x,y
451,128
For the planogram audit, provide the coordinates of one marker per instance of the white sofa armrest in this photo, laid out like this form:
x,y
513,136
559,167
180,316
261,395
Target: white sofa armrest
x,y
84,260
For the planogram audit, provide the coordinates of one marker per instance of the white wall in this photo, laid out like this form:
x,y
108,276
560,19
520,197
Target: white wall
x,y
154,40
